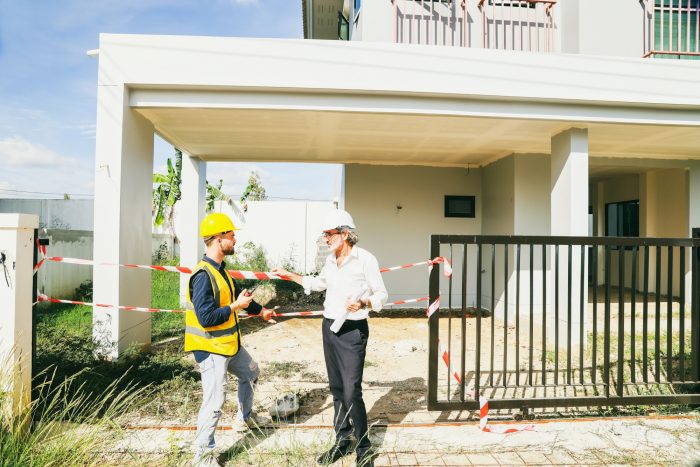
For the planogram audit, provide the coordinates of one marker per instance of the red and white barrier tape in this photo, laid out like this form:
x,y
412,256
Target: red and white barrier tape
x,y
445,356
44,298
484,421
42,250
236,274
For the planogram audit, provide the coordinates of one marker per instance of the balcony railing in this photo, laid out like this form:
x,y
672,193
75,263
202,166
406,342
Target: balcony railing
x,y
672,29
526,25
518,24
440,22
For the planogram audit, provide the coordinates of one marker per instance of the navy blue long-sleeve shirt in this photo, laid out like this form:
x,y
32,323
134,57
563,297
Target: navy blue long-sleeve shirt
x,y
208,312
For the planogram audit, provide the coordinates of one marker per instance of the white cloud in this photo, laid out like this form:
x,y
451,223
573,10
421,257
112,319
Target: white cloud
x,y
18,152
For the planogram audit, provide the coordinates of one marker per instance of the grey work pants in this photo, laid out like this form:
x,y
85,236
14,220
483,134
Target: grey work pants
x,y
213,370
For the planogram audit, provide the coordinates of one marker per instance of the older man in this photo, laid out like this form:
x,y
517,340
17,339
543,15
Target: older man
x,y
353,284
212,334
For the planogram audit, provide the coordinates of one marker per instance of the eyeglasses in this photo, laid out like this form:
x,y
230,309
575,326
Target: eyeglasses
x,y
330,234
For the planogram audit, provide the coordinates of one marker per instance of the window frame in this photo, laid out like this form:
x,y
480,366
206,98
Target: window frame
x,y
470,215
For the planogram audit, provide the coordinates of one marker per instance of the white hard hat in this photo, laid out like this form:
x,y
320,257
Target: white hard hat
x,y
337,218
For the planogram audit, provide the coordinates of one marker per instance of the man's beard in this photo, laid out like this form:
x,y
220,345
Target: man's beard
x,y
229,251
335,245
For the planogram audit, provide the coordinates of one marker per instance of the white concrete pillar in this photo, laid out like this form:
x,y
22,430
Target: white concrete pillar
x,y
123,184
16,282
191,211
569,217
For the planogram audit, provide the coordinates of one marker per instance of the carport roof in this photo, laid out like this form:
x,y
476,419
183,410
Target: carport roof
x,y
234,99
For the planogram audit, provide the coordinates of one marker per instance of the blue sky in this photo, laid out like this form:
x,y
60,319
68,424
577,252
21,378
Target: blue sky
x,y
48,88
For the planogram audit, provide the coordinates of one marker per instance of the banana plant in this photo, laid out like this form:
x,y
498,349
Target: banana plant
x,y
166,193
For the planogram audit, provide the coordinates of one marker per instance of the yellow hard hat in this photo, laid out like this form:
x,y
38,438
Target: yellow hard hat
x,y
215,223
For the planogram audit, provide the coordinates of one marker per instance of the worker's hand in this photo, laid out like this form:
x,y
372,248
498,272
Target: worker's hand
x,y
266,313
242,301
280,272
287,275
352,307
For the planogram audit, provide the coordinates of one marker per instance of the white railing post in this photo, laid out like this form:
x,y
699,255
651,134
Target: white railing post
x,y
17,244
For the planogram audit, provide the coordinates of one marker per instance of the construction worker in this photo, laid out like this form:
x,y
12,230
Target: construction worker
x,y
353,284
212,334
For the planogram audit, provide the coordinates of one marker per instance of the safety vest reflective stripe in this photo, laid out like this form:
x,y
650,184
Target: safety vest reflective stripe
x,y
211,334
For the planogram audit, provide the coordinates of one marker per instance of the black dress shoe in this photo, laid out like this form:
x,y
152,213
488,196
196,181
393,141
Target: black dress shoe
x,y
334,453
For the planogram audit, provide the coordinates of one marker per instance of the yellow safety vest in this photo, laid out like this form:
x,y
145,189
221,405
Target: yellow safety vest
x,y
223,339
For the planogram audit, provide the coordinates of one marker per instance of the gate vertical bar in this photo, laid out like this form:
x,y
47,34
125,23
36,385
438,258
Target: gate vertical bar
x,y
645,317
583,295
433,326
620,320
633,315
568,315
606,325
695,309
505,315
463,358
681,311
517,315
657,318
544,314
594,356
493,311
556,314
532,314
669,313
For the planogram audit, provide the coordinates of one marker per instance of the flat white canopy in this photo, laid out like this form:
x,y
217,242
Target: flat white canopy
x,y
317,101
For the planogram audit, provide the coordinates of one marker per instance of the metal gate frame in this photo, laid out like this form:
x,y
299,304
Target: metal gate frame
x,y
614,397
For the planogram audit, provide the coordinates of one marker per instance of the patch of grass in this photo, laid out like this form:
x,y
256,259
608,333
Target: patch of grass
x,y
282,370
66,424
165,293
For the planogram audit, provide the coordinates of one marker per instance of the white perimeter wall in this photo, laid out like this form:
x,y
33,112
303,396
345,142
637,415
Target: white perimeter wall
x,y
64,214
401,236
285,229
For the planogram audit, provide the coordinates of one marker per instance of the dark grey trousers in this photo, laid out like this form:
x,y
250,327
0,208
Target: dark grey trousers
x,y
345,361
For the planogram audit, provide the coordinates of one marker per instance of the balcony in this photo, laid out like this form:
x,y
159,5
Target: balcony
x,y
525,25
672,29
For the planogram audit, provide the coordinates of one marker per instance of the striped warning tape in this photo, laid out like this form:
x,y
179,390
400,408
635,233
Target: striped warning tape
x,y
484,421
236,274
42,251
44,298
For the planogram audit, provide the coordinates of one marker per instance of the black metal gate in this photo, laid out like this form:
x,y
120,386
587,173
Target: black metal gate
x,y
564,322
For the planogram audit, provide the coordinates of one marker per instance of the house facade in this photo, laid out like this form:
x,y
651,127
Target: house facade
x,y
490,117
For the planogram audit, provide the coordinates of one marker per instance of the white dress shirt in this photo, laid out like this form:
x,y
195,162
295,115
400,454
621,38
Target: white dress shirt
x,y
357,277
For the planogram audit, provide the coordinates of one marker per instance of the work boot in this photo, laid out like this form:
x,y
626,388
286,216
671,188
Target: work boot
x,y
254,422
334,453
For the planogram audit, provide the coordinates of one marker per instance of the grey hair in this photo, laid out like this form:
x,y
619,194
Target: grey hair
x,y
352,235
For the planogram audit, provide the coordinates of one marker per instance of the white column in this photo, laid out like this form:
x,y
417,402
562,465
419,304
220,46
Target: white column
x,y
16,282
191,211
123,184
569,217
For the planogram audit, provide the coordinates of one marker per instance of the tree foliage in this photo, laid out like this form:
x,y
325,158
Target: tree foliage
x,y
255,191
166,193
